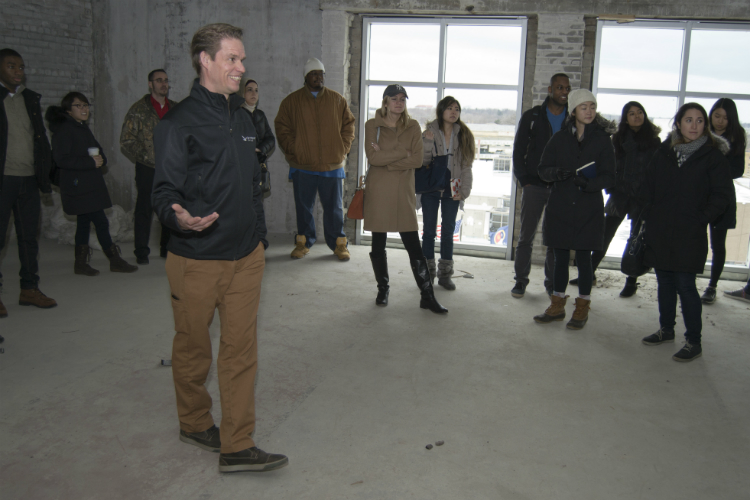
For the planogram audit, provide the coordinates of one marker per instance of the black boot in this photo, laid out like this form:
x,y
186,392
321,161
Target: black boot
x,y
83,256
422,277
116,263
380,268
630,287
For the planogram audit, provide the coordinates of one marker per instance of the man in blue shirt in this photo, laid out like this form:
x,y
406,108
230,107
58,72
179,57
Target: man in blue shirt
x,y
536,127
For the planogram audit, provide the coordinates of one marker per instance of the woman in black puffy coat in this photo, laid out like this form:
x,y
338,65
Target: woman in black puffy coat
x,y
574,217
635,142
266,140
725,122
79,157
687,187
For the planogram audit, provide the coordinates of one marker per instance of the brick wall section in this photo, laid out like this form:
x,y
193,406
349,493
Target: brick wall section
x,y
353,89
54,39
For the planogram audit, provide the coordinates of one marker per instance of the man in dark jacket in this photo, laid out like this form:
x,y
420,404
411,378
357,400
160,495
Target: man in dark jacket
x,y
137,142
534,131
25,159
207,190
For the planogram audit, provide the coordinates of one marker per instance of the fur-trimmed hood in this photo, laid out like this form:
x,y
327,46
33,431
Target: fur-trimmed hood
x,y
609,126
718,141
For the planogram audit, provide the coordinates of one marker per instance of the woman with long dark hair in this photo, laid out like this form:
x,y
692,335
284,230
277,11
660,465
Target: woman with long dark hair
x,y
635,142
688,186
266,141
393,144
580,160
446,135
79,157
725,122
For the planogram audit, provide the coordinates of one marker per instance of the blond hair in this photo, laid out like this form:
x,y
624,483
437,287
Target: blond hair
x,y
404,119
208,39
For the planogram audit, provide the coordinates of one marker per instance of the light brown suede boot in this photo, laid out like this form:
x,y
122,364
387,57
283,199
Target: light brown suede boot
x,y
300,250
555,312
580,315
342,252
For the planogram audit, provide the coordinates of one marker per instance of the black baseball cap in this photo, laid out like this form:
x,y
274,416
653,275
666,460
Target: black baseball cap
x,y
394,90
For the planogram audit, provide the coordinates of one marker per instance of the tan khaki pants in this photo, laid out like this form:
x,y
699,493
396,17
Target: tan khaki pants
x,y
198,288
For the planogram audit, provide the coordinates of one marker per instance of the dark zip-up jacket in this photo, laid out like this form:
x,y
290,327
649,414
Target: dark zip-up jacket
x,y
266,140
42,151
206,162
534,131
681,202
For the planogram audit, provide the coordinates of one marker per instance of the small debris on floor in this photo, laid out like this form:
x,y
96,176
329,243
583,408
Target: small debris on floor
x,y
166,362
429,446
439,443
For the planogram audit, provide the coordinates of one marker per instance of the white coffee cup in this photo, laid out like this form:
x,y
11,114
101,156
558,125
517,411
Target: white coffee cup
x,y
93,151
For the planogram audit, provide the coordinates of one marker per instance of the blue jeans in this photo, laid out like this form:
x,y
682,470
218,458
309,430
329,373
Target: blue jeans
x,y
672,284
448,209
330,189
20,196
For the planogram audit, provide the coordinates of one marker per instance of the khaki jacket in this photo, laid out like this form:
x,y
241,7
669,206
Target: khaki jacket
x,y
315,133
390,200
137,135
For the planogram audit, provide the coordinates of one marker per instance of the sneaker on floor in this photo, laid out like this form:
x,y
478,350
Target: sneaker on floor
x,y
519,290
251,460
35,297
209,440
660,337
141,260
688,352
740,294
709,296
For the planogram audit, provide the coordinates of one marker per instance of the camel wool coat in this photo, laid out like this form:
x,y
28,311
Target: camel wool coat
x,y
390,199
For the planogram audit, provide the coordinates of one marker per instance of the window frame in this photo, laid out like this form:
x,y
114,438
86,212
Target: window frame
x,y
440,85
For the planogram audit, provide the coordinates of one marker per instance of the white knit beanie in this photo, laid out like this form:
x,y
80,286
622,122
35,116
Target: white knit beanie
x,y
579,96
313,64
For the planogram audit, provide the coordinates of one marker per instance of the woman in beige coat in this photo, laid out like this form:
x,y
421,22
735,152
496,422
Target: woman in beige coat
x,y
393,144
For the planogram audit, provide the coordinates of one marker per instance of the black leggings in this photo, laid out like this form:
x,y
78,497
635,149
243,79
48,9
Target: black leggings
x,y
101,224
410,240
719,253
585,271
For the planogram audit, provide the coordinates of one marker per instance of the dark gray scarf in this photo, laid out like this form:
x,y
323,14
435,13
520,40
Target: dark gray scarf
x,y
684,151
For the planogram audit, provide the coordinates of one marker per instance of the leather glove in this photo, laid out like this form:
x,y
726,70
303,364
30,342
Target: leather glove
x,y
563,174
580,181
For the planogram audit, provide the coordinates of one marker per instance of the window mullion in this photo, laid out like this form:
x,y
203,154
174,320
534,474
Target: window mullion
x,y
685,62
441,60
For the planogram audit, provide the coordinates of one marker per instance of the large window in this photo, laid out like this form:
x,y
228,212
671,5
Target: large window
x,y
480,63
663,65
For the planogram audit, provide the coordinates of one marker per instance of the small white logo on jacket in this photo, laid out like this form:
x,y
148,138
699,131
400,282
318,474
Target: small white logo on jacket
x,y
248,138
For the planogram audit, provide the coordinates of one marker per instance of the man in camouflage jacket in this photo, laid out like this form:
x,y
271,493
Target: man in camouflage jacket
x,y
137,143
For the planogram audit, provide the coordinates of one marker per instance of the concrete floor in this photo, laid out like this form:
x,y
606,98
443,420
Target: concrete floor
x,y
352,393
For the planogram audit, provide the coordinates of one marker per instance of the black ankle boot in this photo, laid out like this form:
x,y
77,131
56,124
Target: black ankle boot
x,y
630,287
422,277
380,268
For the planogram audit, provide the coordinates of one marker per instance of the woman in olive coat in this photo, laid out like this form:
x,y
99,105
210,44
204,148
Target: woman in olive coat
x,y
688,186
393,144
574,217
82,188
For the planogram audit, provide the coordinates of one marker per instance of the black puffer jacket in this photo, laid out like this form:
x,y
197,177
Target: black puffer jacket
x,y
533,133
681,202
266,140
728,220
574,218
82,187
42,153
631,173
206,162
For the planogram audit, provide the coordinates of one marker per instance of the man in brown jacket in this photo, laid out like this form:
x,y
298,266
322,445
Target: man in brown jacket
x,y
315,130
137,143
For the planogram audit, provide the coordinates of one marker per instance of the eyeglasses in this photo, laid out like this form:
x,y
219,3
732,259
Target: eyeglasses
x,y
81,106
161,80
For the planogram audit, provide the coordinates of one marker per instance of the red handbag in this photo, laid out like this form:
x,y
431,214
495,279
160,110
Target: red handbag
x,y
357,205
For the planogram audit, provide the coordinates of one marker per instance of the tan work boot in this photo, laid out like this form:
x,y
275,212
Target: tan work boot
x,y
341,251
35,297
580,315
300,250
3,310
555,312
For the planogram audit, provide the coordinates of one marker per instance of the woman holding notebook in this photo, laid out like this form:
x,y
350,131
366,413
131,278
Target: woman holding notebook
x,y
580,160
393,144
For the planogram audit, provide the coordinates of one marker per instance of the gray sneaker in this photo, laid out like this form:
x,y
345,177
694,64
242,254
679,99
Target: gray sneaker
x,y
208,440
740,294
659,337
251,460
688,352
